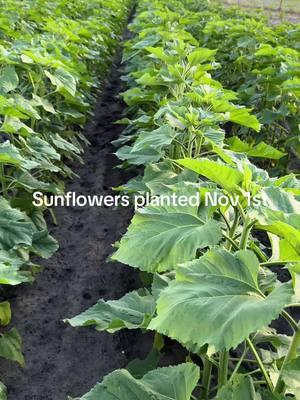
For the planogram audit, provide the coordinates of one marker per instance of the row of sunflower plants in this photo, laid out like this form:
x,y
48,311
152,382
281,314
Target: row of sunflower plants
x,y
53,56
212,270
262,63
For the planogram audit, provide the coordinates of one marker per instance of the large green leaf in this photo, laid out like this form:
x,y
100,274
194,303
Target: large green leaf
x,y
141,157
11,346
172,383
262,149
159,238
160,177
14,231
63,80
134,310
157,139
225,176
201,55
9,154
8,79
216,300
10,269
242,116
241,388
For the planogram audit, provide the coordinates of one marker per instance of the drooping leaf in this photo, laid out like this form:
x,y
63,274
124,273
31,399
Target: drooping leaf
x,y
9,79
225,176
63,80
217,301
10,269
242,117
14,231
11,346
159,238
132,311
172,383
201,55
241,387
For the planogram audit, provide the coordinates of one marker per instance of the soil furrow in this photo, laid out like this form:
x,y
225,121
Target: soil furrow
x,y
61,360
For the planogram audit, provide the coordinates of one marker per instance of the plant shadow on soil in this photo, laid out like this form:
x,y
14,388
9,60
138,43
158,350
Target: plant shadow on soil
x,y
61,360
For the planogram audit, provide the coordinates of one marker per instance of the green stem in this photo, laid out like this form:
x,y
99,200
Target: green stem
x,y
293,305
206,378
223,368
246,232
231,242
239,363
290,320
261,365
292,353
272,263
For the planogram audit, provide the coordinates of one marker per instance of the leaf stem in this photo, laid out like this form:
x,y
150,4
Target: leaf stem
x,y
292,353
290,320
246,232
239,363
223,368
230,240
261,365
206,378
272,263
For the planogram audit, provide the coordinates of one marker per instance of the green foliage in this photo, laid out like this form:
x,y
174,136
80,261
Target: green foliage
x,y
174,383
53,55
210,280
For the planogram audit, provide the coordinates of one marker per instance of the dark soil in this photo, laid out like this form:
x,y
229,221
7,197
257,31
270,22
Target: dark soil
x,y
61,360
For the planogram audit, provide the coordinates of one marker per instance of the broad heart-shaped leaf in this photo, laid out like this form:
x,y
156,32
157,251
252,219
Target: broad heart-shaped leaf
x,y
9,154
134,310
201,55
262,149
158,138
140,157
169,383
242,388
160,238
43,244
149,146
242,117
10,269
63,80
216,300
14,232
10,346
227,177
160,176
8,79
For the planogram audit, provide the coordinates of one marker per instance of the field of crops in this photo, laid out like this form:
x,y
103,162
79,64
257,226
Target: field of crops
x,y
183,118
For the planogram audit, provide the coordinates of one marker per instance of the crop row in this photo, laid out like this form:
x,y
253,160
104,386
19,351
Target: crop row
x,y
212,285
52,57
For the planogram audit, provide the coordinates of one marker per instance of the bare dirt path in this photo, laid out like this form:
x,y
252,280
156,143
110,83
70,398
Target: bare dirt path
x,y
61,360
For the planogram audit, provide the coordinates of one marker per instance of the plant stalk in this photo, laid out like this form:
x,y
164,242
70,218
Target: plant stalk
x,y
206,377
223,368
261,365
292,353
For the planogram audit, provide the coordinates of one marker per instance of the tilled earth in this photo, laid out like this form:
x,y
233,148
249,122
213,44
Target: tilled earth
x,y
61,360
